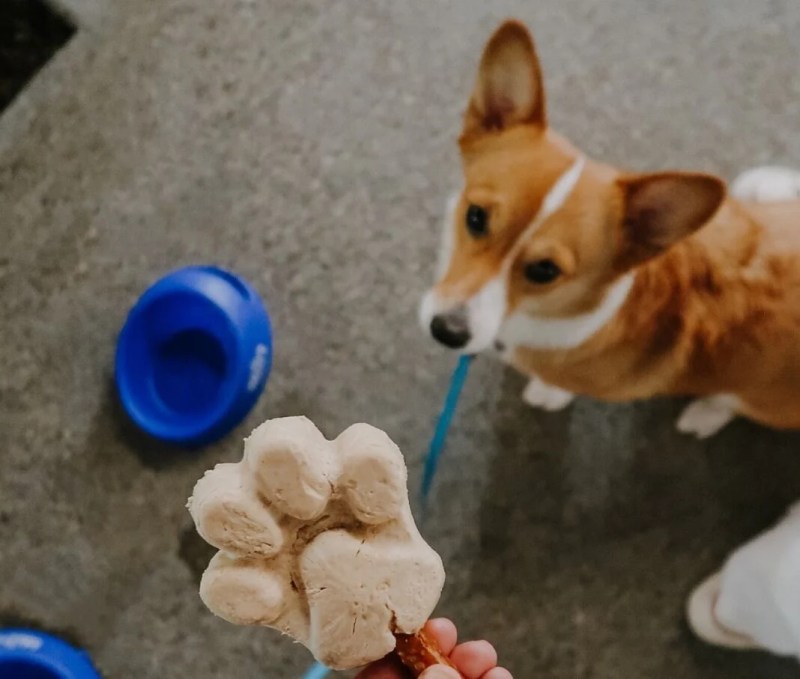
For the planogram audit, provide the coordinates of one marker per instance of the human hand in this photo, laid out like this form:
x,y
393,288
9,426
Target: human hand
x,y
474,659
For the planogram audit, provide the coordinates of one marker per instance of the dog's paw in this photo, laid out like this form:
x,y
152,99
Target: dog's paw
x,y
539,394
767,184
706,416
317,540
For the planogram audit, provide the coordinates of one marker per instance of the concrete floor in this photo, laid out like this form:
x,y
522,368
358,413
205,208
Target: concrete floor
x,y
309,146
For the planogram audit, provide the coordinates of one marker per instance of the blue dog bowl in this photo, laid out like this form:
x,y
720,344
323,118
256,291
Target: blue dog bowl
x,y
194,355
29,654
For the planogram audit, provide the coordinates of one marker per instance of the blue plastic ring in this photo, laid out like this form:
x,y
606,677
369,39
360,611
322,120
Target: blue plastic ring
x,y
194,355
30,654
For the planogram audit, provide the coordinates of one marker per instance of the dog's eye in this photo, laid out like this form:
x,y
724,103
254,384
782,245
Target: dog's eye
x,y
543,271
477,221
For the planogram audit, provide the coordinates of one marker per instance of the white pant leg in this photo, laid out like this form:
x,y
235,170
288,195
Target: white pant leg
x,y
759,588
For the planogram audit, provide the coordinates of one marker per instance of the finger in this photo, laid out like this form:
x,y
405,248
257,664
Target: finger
x,y
440,672
474,658
444,632
498,673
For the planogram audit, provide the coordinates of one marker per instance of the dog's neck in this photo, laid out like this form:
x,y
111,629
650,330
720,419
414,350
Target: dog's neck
x,y
539,332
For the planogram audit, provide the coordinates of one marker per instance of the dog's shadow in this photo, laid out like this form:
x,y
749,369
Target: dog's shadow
x,y
605,514
598,473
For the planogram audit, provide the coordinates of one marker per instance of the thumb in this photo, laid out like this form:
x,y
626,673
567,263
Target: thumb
x,y
440,672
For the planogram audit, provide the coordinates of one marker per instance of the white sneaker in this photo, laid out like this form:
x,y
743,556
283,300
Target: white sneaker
x,y
754,601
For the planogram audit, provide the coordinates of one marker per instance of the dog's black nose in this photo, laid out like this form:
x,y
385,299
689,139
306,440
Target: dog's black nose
x,y
451,329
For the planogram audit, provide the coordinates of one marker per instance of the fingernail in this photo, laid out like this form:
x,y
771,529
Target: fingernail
x,y
440,672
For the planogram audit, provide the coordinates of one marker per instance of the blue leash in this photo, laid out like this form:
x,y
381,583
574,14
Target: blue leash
x,y
318,670
443,425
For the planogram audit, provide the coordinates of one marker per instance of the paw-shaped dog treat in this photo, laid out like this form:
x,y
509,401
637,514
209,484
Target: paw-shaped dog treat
x,y
317,540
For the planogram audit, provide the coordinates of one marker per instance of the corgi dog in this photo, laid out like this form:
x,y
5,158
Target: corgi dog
x,y
616,285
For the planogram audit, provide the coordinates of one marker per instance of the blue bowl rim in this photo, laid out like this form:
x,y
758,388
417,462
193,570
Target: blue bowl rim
x,y
53,654
198,431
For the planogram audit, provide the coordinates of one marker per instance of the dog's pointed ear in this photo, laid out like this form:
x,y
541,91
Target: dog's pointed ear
x,y
663,208
509,90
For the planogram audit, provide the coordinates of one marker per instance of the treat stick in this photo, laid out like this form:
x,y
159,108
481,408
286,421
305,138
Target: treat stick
x,y
420,651
417,652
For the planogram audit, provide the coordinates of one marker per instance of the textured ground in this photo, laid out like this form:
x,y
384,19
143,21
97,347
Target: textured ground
x,y
309,146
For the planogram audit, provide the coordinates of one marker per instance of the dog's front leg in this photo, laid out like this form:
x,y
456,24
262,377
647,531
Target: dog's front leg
x,y
539,394
704,417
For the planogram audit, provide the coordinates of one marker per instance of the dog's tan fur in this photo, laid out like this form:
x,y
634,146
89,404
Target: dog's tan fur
x,y
715,303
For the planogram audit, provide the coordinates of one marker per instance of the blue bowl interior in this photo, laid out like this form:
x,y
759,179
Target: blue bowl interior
x,y
189,371
180,352
28,668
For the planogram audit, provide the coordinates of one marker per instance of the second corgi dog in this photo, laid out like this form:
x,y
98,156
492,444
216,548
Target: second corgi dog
x,y
619,286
